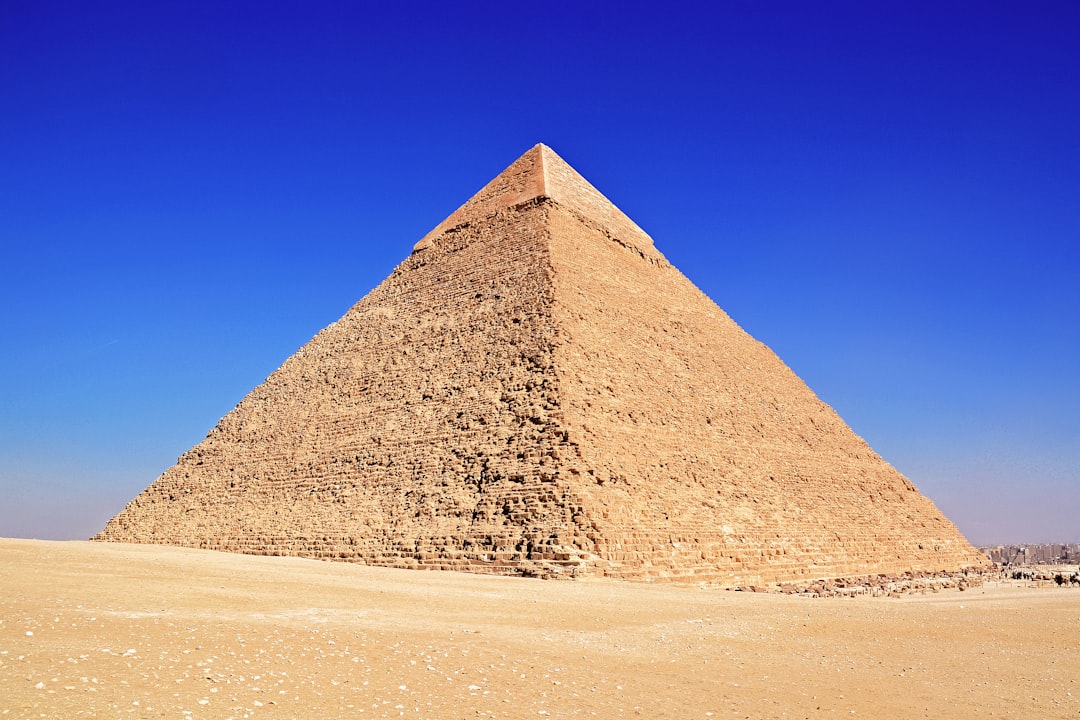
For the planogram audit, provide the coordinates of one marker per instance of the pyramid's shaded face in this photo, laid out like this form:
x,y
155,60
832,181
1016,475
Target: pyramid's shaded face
x,y
536,390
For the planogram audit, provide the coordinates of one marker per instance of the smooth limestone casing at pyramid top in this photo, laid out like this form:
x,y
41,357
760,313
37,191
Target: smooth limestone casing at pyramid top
x,y
536,390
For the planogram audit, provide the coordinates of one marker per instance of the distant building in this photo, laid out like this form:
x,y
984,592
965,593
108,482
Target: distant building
x,y
1036,554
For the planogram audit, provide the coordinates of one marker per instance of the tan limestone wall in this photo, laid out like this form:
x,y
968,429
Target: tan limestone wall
x,y
701,454
495,407
536,390
417,430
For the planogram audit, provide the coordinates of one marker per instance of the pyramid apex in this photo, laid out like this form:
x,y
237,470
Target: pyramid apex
x,y
541,173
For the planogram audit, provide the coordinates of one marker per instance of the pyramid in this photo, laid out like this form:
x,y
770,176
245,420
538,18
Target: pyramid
x,y
536,390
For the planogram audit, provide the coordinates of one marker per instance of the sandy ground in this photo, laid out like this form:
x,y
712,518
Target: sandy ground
x,y
101,630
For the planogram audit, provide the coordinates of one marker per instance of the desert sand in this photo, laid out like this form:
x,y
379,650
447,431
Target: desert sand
x,y
110,630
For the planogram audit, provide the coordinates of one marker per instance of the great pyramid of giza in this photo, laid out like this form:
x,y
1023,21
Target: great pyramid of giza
x,y
536,390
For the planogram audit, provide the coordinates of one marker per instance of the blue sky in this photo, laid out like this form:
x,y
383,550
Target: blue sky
x,y
885,194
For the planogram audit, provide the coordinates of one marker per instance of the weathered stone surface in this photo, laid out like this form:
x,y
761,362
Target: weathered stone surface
x,y
536,390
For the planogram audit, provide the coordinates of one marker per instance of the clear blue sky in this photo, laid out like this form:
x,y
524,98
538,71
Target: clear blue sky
x,y
887,194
